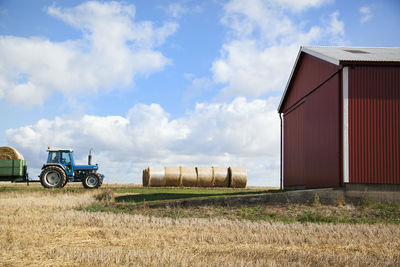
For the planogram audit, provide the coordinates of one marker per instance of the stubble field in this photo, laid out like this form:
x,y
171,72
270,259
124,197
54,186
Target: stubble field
x,y
43,228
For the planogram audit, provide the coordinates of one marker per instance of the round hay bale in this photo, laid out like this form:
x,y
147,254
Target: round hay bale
x,y
145,177
205,177
156,176
173,176
7,152
189,176
221,177
238,177
20,155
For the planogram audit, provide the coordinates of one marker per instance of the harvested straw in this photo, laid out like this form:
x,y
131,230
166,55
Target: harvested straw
x,y
221,177
156,176
238,177
173,176
205,177
10,153
189,176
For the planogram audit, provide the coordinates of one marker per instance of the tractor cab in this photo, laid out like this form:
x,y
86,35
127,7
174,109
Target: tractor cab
x,y
65,158
60,168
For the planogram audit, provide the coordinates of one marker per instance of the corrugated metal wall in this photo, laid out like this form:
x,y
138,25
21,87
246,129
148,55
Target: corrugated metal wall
x,y
374,124
311,129
310,73
322,136
294,160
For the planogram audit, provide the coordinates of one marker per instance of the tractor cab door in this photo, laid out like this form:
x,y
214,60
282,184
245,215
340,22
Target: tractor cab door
x,y
66,161
53,157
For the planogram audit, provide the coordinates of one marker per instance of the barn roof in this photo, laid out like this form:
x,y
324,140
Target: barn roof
x,y
342,55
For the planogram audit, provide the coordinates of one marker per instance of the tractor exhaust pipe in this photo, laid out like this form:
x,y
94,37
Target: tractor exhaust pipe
x,y
90,157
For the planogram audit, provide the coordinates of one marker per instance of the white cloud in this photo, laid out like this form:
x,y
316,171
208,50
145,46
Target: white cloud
x,y
113,49
27,93
296,5
251,71
366,14
241,133
336,27
176,10
3,84
197,86
262,45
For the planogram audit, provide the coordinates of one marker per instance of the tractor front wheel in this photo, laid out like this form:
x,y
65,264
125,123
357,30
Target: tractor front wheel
x,y
53,177
92,180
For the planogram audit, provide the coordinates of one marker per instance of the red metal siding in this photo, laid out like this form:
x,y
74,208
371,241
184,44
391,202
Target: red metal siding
x,y
374,124
310,73
311,140
321,141
293,162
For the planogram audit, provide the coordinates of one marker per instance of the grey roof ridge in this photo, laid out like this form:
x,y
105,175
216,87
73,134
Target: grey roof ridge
x,y
324,57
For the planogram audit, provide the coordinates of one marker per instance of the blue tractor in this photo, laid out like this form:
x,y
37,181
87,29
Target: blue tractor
x,y
61,169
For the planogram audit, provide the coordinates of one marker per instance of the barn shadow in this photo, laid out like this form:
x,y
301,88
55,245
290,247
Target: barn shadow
x,y
138,198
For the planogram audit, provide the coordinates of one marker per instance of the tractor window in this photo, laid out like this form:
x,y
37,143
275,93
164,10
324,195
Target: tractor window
x,y
65,158
53,158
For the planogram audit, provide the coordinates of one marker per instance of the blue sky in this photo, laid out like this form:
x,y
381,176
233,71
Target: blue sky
x,y
165,82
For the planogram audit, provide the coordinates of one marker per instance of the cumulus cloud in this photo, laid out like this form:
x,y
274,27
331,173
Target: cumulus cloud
x,y
113,49
296,6
177,10
366,14
240,133
262,45
251,71
336,27
198,86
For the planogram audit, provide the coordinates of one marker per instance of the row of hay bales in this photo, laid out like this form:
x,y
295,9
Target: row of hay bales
x,y
195,176
7,152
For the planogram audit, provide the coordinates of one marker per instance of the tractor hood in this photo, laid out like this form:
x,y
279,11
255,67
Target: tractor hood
x,y
86,167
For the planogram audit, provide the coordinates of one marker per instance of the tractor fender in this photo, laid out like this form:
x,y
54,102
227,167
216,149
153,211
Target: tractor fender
x,y
54,164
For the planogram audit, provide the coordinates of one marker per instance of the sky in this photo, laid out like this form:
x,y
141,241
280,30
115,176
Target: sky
x,y
165,83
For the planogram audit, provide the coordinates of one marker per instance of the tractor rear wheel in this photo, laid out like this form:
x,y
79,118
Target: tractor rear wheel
x,y
53,177
92,180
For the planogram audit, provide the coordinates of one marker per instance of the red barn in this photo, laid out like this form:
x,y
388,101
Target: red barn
x,y
341,118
